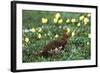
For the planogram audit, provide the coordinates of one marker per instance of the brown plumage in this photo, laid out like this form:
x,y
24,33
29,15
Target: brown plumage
x,y
55,46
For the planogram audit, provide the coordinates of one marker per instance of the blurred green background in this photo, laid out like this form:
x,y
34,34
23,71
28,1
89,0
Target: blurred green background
x,y
41,27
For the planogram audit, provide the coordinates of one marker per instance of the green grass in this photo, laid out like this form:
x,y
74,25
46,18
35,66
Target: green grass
x,y
38,34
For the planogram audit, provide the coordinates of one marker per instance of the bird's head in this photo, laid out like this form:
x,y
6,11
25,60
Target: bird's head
x,y
67,33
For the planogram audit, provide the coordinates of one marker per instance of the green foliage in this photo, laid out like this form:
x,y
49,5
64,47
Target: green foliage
x,y
39,28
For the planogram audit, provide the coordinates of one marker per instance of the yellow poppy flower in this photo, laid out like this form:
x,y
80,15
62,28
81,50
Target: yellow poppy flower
x,y
55,20
88,15
56,36
81,17
73,33
39,35
73,20
60,21
33,30
86,20
44,20
26,39
68,20
57,15
85,23
68,30
78,24
39,29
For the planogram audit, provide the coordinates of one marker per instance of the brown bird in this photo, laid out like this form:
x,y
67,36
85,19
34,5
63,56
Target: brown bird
x,y
55,46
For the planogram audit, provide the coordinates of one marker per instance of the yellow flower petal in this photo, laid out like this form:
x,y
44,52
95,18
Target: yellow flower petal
x,y
44,20
60,21
57,15
81,17
73,20
26,39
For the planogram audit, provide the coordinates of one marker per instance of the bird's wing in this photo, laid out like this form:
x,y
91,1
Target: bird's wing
x,y
52,45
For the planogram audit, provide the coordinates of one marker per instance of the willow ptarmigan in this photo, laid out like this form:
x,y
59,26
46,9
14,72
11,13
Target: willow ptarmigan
x,y
55,46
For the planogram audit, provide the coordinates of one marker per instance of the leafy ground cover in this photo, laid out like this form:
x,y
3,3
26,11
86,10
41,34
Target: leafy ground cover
x,y
41,27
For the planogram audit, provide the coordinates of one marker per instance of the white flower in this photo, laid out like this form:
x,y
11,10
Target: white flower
x,y
26,39
44,20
